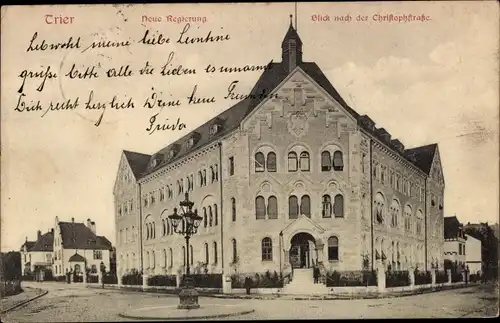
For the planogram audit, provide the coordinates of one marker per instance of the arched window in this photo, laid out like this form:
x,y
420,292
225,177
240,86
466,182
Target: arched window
x,y
395,213
333,248
260,207
164,258
200,178
211,216
292,161
338,161
326,161
215,252
216,172
154,230
146,228
267,249
233,208
191,254
304,161
379,208
272,207
327,206
207,258
339,206
171,258
235,251
212,174
260,162
407,218
164,227
271,162
205,217
216,215
184,256
293,207
305,205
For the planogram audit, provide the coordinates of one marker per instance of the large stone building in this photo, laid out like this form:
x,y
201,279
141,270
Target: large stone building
x,y
286,177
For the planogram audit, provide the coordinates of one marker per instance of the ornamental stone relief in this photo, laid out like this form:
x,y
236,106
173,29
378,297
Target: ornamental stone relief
x,y
298,124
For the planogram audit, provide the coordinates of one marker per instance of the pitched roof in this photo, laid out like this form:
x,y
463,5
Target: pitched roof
x,y
451,227
424,156
28,244
79,236
137,162
45,243
76,258
232,118
292,34
102,240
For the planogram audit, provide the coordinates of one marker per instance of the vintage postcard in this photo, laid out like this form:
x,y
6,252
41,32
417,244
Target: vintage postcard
x,y
249,161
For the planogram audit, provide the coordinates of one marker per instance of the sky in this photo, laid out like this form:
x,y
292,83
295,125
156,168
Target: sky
x,y
425,82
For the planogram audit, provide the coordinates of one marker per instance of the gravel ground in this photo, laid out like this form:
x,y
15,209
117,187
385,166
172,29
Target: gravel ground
x,y
75,303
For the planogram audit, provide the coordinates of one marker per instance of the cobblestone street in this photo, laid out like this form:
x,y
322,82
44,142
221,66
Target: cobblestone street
x,y
71,303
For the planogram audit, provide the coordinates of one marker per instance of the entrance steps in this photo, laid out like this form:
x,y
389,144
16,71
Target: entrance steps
x,y
303,284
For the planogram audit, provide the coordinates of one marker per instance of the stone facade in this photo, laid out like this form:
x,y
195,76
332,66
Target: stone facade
x,y
299,180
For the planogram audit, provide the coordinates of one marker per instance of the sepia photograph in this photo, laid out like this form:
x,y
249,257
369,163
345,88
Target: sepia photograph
x,y
249,161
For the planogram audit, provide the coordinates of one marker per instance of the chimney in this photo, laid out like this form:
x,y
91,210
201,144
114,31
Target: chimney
x,y
52,230
384,135
72,220
89,223
398,145
367,122
92,227
39,234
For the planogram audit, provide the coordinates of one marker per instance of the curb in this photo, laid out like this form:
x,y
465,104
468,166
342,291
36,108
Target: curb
x,y
187,318
24,302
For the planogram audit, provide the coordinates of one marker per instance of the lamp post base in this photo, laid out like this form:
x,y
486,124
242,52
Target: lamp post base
x,y
188,297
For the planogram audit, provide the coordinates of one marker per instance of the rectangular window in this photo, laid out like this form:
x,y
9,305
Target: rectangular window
x,y
98,254
231,166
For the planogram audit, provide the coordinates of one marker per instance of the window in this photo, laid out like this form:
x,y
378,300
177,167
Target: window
x,y
272,207
233,208
339,206
211,216
212,174
326,203
200,178
206,254
333,248
292,162
379,208
260,162
191,253
171,258
164,225
293,207
235,252
271,162
153,259
215,252
267,249
305,205
184,256
326,161
260,208
216,172
231,166
216,218
204,177
382,175
363,159
214,129
164,257
338,161
304,161
205,217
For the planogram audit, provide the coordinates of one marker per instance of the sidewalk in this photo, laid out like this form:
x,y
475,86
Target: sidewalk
x,y
14,301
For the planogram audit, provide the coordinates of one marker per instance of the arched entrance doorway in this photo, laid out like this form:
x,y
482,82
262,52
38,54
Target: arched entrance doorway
x,y
302,251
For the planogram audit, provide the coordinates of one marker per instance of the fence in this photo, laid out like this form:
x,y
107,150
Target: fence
x,y
205,280
441,277
162,280
423,277
259,280
397,278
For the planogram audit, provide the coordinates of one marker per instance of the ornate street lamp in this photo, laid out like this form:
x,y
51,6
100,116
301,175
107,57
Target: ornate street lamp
x,y
189,222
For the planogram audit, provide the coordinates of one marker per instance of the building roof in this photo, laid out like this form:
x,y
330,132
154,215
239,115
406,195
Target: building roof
x,y
76,258
451,227
79,236
231,119
45,243
423,156
28,244
137,162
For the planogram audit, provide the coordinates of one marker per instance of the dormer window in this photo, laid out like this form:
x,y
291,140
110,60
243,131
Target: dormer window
x,y
214,129
171,153
153,163
190,143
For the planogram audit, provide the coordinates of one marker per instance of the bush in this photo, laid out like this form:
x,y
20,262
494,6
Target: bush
x,y
456,276
423,277
397,278
110,278
355,278
92,279
441,277
162,280
132,278
9,288
259,280
205,280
